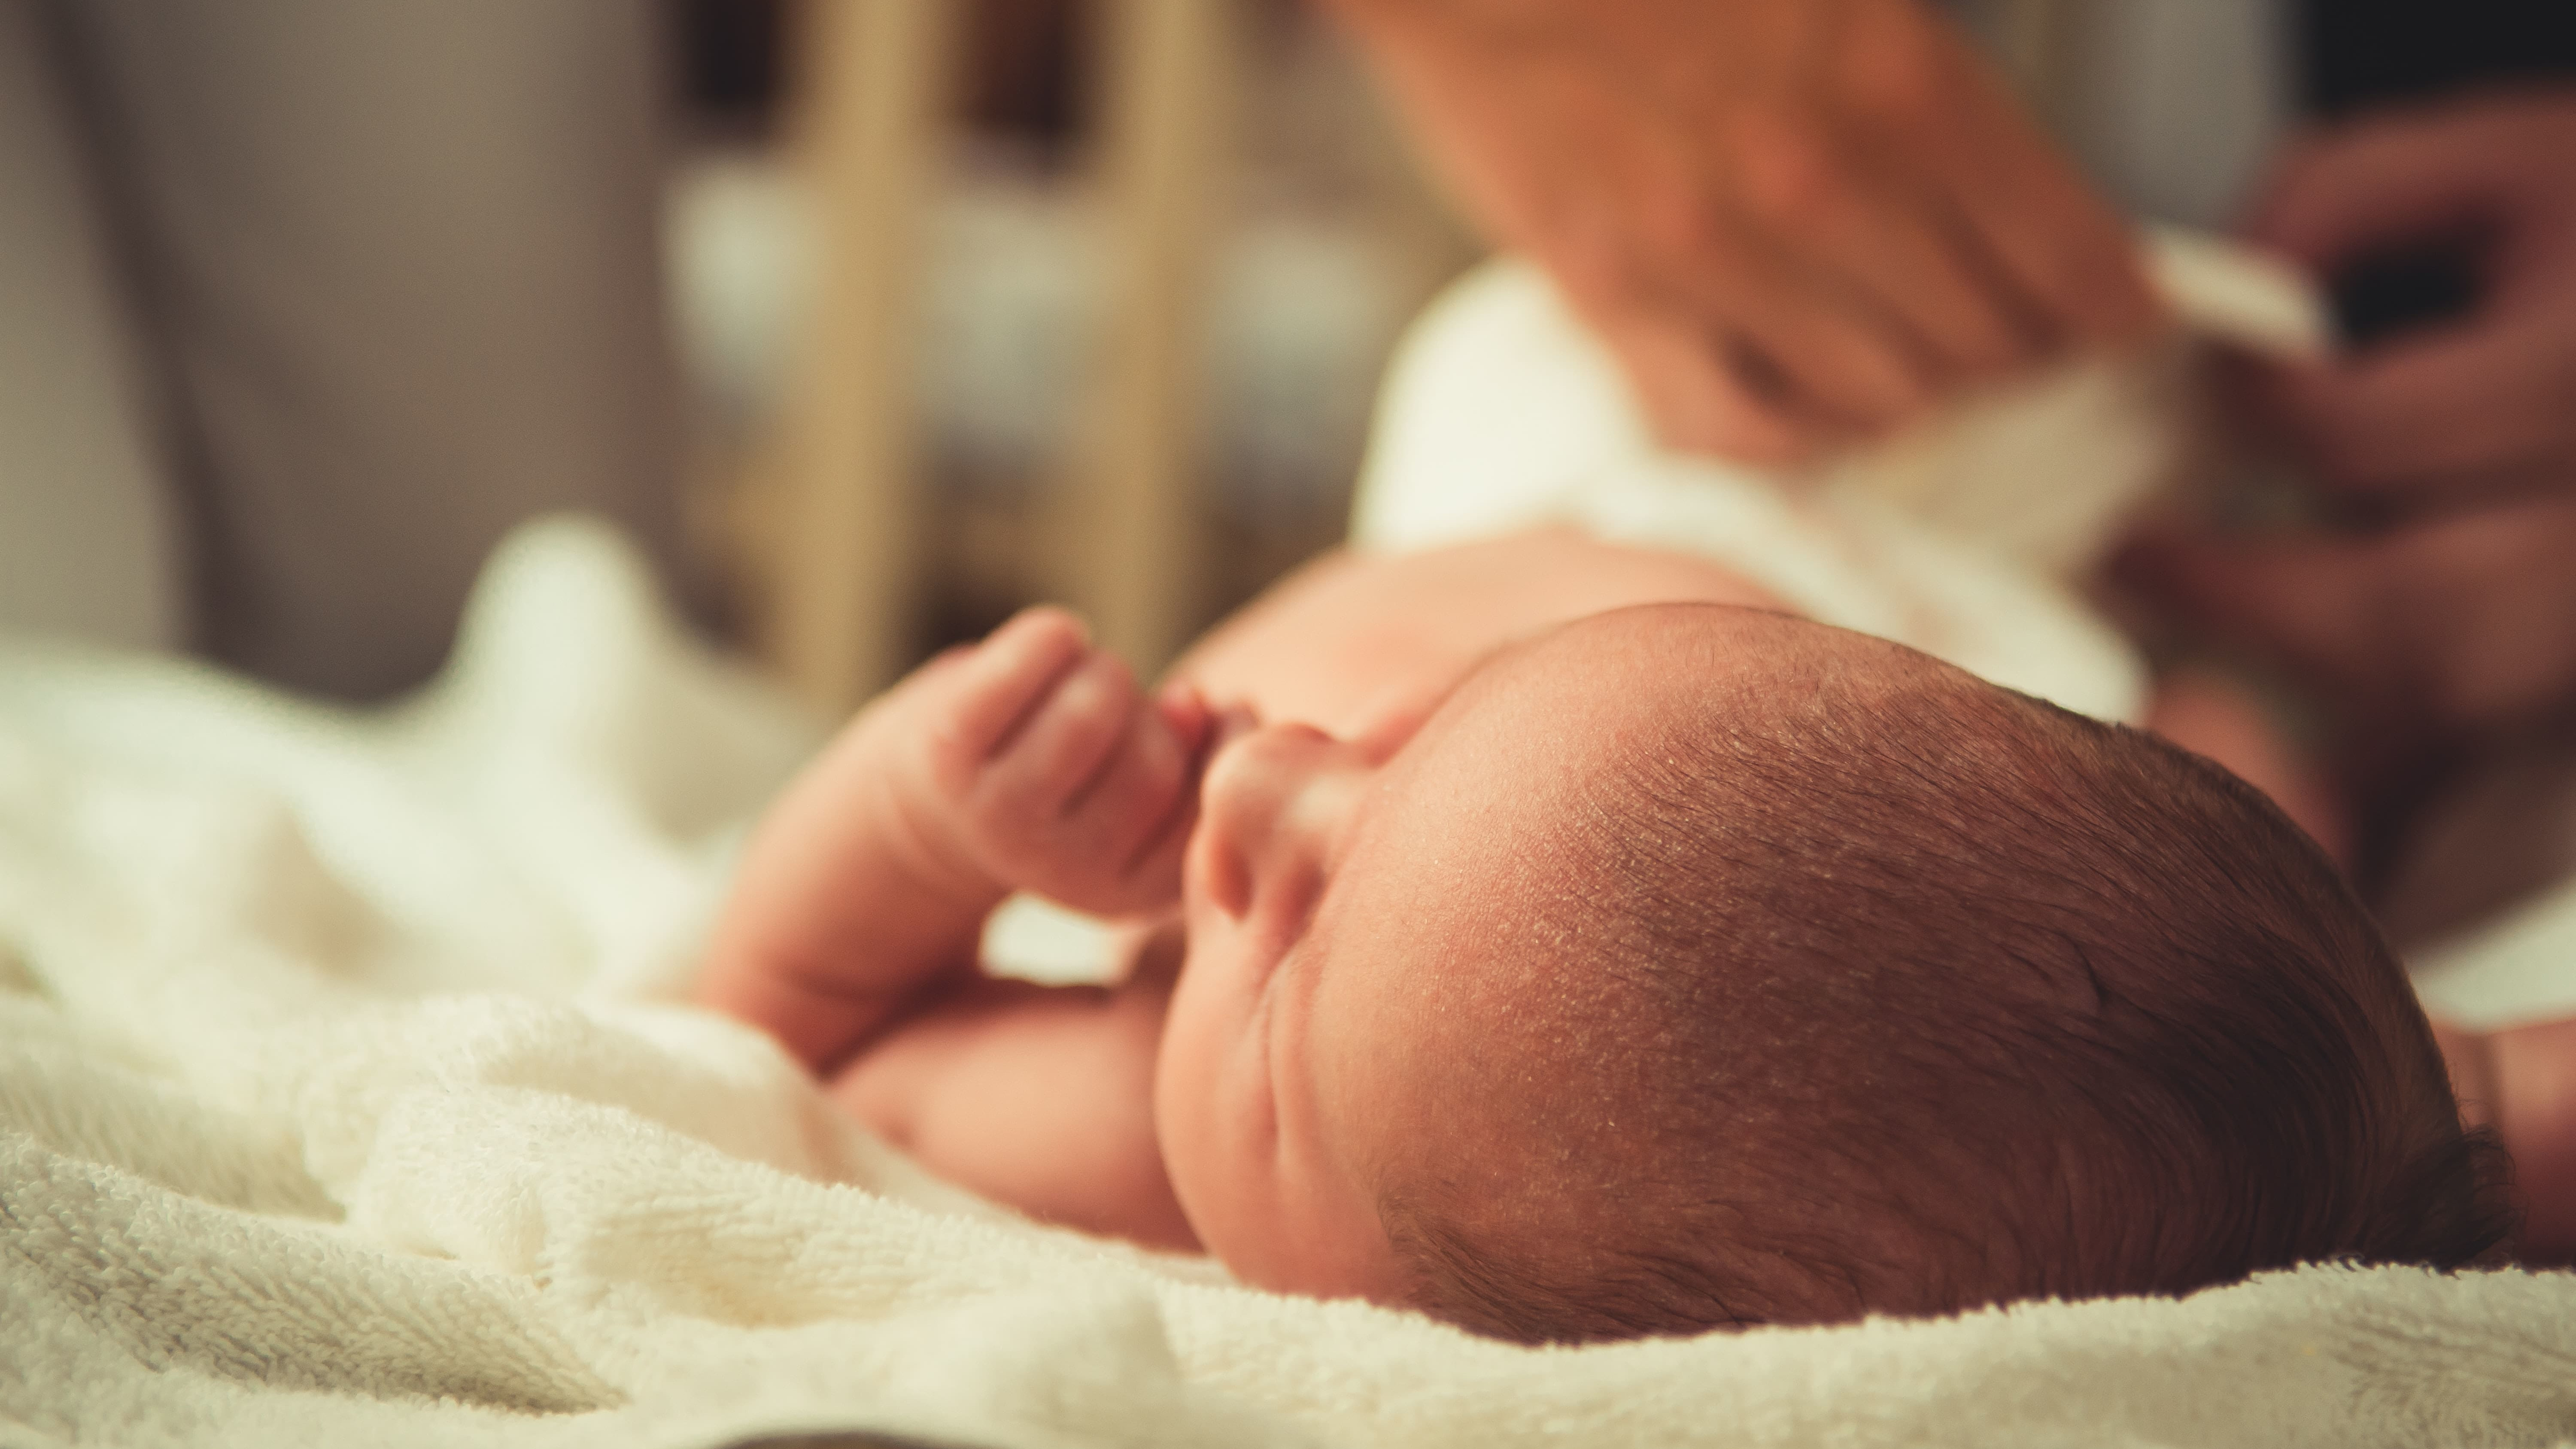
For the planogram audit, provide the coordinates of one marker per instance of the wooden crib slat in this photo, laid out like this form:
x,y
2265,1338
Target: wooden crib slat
x,y
846,461
1132,515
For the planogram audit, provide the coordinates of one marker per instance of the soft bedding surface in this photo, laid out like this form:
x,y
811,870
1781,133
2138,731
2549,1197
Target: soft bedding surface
x,y
337,1105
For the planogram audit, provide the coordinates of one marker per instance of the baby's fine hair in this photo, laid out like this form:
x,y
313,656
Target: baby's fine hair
x,y
1960,998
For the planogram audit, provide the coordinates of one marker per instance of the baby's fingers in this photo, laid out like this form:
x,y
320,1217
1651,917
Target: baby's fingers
x,y
987,695
1137,809
1063,744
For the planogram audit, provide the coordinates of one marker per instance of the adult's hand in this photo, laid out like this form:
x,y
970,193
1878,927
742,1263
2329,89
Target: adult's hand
x,y
2448,629
2477,408
1797,222
2456,617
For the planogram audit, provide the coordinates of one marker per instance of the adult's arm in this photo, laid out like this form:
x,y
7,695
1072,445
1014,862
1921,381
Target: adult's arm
x,y
1797,222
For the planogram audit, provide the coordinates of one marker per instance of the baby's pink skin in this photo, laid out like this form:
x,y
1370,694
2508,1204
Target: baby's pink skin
x,y
1352,889
1028,762
851,933
1374,993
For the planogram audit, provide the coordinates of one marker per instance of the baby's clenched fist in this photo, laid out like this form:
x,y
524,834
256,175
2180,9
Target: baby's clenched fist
x,y
1036,758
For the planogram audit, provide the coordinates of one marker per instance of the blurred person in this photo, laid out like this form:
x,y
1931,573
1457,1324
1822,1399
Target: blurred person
x,y
304,304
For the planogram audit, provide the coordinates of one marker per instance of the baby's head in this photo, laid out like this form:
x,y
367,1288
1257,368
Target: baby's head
x,y
1692,965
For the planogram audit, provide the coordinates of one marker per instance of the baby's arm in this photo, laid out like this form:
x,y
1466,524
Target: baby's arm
x,y
1041,1097
1027,762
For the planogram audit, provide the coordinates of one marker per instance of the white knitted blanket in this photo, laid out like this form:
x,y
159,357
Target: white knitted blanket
x,y
336,1108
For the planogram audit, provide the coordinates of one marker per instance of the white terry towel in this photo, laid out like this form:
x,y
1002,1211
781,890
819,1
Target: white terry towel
x,y
336,1108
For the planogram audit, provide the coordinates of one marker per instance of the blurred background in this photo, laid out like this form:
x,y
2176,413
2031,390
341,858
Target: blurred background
x,y
1137,269
870,320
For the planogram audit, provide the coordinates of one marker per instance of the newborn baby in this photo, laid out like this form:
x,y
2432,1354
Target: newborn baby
x,y
1555,936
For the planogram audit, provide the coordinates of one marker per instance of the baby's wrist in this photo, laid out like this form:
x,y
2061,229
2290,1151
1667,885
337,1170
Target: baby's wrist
x,y
937,864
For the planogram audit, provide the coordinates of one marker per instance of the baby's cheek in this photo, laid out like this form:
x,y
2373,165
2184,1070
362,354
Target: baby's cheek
x,y
1184,1091
1206,1114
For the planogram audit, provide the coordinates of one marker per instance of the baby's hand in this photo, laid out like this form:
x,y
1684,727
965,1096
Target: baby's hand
x,y
1034,757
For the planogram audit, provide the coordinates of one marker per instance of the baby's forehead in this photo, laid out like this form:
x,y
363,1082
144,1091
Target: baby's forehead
x,y
1499,810
1490,824
1461,948
1525,801
1593,680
